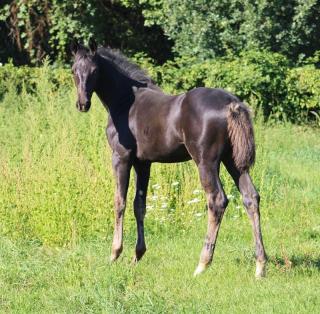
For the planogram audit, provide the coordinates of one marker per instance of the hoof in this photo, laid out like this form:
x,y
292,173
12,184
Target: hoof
x,y
134,261
113,258
139,253
200,269
260,269
115,255
137,257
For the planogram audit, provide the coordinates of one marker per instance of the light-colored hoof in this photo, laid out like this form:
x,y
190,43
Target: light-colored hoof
x,y
134,261
115,253
113,258
260,270
200,269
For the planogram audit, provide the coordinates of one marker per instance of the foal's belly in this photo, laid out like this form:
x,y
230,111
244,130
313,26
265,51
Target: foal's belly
x,y
159,142
178,154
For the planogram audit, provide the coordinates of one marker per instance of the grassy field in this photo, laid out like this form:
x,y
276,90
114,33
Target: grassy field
x,y
56,221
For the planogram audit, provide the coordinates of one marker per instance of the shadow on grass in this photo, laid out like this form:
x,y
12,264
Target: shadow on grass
x,y
295,261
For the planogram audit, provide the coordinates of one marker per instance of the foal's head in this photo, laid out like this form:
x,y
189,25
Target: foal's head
x,y
85,72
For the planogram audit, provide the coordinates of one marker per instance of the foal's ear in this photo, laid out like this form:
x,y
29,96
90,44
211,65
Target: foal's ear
x,y
93,45
74,46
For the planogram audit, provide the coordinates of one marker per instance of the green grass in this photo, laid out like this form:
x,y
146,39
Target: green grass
x,y
56,221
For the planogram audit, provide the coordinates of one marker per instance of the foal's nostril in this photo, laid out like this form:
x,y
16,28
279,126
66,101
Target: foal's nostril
x,y
83,107
79,106
87,105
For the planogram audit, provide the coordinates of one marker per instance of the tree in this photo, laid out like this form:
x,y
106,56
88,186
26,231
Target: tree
x,y
39,28
31,29
209,28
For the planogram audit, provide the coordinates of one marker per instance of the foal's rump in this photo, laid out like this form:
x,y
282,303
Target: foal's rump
x,y
218,122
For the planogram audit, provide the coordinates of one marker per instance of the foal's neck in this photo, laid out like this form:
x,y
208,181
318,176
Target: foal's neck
x,y
114,88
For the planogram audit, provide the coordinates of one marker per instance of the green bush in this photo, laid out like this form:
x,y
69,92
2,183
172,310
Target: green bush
x,y
303,92
25,77
262,79
255,77
258,78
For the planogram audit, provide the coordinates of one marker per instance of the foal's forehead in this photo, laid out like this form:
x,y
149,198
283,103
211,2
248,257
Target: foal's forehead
x,y
83,62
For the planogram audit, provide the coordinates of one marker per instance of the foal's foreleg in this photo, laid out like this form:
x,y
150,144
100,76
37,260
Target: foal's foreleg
x,y
251,200
122,173
217,203
142,179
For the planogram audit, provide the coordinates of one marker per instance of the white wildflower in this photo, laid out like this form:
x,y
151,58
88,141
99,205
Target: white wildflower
x,y
175,183
194,200
156,186
198,214
164,205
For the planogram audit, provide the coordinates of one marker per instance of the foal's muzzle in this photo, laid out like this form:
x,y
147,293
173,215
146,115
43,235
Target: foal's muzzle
x,y
83,107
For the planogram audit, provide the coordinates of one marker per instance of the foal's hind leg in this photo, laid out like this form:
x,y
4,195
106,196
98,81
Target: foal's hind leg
x,y
121,169
251,201
217,203
142,179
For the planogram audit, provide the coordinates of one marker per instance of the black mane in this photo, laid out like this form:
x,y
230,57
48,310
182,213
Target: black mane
x,y
127,67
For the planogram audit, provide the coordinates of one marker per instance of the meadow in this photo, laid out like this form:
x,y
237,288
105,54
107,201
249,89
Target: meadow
x,y
56,220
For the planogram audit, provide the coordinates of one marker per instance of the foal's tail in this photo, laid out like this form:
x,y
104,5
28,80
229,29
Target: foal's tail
x,y
240,131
